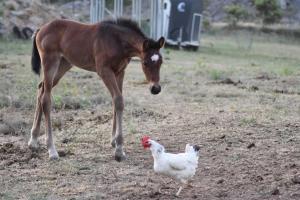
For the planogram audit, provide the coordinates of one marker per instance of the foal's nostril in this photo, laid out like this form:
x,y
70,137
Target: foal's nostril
x,y
155,89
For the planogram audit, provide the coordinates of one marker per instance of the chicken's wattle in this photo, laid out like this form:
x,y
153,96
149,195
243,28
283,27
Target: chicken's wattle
x,y
145,142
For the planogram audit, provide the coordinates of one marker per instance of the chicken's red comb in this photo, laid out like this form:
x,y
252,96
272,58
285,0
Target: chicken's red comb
x,y
145,138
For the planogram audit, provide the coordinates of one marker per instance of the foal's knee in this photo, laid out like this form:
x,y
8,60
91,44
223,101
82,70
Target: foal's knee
x,y
46,101
118,103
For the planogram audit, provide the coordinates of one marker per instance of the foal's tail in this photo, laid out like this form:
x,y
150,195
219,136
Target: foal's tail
x,y
35,57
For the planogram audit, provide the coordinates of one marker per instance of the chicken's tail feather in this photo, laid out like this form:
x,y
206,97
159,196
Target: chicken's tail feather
x,y
196,148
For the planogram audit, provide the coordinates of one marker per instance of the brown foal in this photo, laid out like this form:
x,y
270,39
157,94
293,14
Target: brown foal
x,y
105,48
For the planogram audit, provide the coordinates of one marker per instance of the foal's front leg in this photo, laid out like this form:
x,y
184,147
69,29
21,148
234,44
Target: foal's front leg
x,y
109,79
119,78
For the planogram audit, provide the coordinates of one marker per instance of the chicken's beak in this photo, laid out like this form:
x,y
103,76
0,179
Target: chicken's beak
x,y
147,144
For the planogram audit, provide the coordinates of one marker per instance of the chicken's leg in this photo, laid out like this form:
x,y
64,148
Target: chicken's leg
x,y
184,183
177,194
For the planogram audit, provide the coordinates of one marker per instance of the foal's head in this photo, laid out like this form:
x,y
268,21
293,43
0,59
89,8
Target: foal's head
x,y
152,61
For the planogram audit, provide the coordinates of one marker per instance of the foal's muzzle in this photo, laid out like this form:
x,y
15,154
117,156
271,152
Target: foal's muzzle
x,y
155,89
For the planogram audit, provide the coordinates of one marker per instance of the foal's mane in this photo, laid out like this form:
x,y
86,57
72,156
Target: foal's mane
x,y
125,23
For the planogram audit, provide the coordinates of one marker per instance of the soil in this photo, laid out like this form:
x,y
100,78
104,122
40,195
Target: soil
x,y
249,139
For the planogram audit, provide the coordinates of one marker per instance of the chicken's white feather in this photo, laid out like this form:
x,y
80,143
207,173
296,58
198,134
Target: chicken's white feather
x,y
180,166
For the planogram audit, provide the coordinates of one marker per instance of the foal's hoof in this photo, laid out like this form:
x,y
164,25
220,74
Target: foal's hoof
x,y
33,144
53,155
113,143
120,155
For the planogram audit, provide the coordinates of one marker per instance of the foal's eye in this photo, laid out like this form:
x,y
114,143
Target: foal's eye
x,y
145,62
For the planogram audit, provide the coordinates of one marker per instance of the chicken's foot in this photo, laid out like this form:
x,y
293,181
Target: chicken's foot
x,y
177,194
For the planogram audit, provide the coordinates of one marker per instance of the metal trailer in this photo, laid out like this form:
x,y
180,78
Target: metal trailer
x,y
183,21
99,11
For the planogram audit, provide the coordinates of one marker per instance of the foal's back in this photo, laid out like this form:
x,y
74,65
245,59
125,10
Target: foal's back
x,y
79,43
72,40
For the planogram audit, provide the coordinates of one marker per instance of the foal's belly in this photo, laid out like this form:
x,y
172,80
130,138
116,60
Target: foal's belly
x,y
83,60
78,50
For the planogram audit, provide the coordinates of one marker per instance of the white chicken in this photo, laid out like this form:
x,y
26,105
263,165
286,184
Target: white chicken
x,y
181,167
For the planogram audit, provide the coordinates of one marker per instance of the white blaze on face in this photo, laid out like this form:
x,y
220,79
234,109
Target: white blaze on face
x,y
154,57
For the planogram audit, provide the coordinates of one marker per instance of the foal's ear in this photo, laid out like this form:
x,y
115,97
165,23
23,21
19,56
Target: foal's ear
x,y
146,45
161,42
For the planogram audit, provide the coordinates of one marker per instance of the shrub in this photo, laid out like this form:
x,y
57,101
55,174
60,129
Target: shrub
x,y
269,10
206,24
235,13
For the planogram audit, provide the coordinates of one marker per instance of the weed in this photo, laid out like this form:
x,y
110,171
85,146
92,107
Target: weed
x,y
248,121
132,128
215,74
286,71
57,101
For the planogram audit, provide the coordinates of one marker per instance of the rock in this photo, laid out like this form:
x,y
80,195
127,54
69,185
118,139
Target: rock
x,y
35,19
65,140
254,88
228,81
22,17
84,168
11,5
259,178
296,179
5,129
62,153
3,66
220,181
251,145
222,136
263,77
295,195
275,191
19,13
222,194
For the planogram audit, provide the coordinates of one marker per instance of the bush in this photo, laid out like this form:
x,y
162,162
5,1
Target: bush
x,y
235,13
206,24
269,10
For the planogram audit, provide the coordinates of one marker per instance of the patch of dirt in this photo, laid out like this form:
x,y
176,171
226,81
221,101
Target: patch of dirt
x,y
145,113
285,91
11,154
228,81
102,119
264,76
13,125
249,141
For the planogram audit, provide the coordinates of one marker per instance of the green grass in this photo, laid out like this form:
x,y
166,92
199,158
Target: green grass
x,y
11,46
248,121
215,74
286,71
57,101
221,55
268,53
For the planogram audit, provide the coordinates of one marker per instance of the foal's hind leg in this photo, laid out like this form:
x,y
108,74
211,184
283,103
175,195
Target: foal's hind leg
x,y
35,130
63,68
51,64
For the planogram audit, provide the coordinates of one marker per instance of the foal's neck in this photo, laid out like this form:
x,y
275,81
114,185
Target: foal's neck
x,y
135,45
